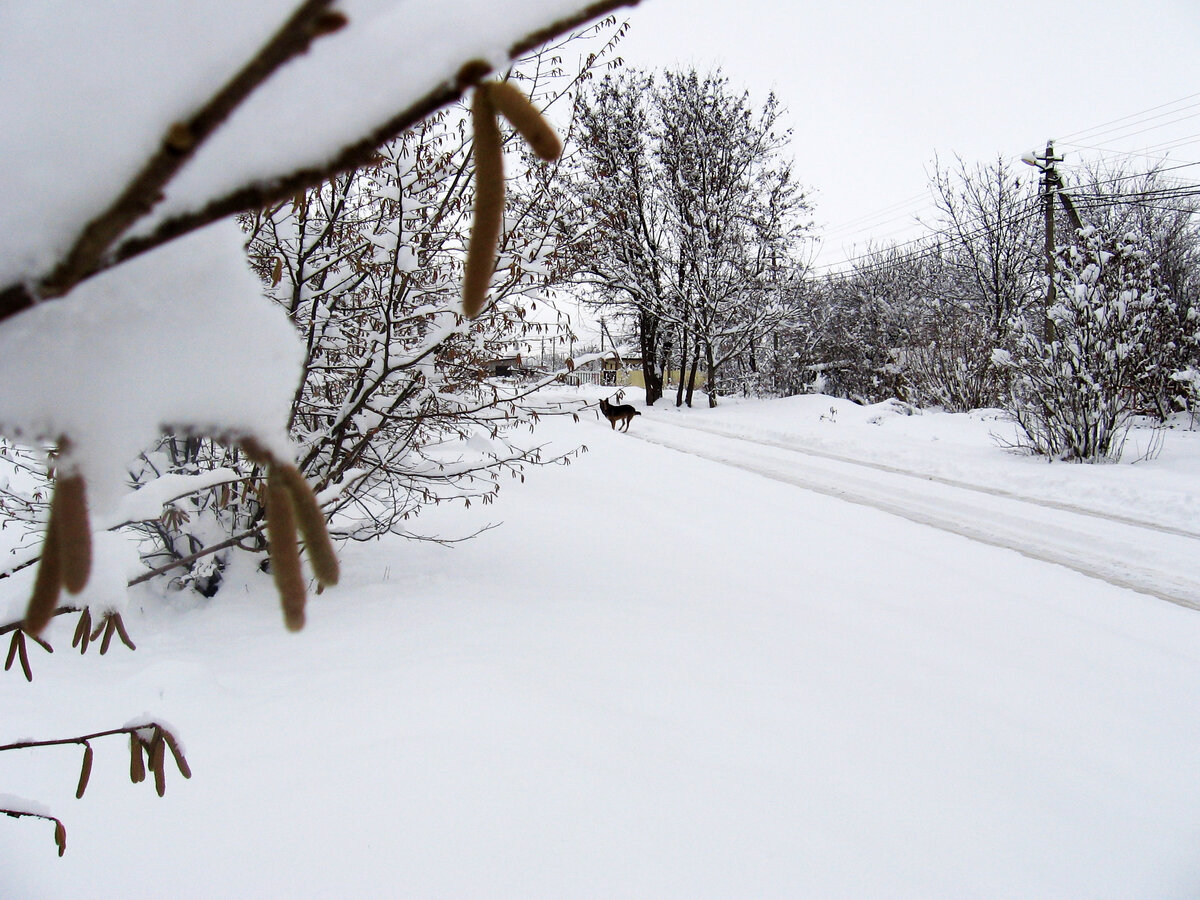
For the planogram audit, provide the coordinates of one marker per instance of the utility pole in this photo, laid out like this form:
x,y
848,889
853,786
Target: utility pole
x,y
1051,185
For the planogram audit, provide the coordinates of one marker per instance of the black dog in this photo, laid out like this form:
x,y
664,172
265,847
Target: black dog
x,y
623,413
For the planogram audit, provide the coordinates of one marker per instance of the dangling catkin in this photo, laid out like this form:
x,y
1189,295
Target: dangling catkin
x,y
12,650
85,772
158,762
285,552
509,100
321,555
83,631
48,582
137,765
74,533
109,629
176,751
489,202
23,656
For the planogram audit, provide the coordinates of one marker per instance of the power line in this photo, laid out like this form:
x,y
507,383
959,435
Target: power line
x,y
1119,128
930,244
1089,134
881,212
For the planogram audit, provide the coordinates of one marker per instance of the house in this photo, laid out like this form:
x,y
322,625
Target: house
x,y
504,366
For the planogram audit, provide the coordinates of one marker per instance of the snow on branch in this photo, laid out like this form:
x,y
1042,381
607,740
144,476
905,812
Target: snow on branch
x,y
456,62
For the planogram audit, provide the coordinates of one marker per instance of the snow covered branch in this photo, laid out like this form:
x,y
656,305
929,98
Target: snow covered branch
x,y
107,239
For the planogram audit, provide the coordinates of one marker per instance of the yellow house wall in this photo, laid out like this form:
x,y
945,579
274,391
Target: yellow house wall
x,y
635,378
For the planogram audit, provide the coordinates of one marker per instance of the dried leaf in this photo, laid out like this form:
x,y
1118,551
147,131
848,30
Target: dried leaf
x,y
277,271
527,119
489,203
85,772
60,836
41,643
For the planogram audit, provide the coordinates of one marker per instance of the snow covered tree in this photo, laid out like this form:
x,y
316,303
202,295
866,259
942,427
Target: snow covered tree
x,y
988,266
1074,394
621,246
692,216
1165,215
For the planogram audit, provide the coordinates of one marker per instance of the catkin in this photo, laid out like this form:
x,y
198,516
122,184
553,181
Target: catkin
x,y
121,632
311,521
527,119
83,631
85,772
74,533
109,628
23,655
137,765
285,553
489,202
158,763
180,762
60,836
48,582
12,650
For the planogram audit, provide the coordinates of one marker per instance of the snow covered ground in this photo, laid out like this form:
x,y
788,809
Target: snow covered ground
x,y
662,676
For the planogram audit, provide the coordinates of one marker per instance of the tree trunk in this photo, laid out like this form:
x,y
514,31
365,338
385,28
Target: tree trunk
x,y
712,375
691,388
683,352
648,334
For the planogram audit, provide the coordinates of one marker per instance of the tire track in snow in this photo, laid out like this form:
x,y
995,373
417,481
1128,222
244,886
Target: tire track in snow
x,y
1112,549
941,479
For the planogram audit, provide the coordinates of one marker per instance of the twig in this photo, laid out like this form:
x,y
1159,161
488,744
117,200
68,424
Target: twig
x,y
199,554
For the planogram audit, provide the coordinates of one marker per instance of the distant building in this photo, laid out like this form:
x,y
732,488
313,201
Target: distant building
x,y
504,366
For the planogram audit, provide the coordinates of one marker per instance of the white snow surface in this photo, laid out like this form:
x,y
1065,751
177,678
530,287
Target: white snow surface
x,y
662,676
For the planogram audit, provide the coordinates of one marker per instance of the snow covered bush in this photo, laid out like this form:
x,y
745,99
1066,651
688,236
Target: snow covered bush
x,y
1076,384
131,133
396,408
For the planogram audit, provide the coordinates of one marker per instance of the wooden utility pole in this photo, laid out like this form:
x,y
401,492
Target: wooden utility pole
x,y
1051,185
1048,183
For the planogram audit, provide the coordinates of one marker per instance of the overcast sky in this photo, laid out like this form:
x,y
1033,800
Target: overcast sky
x,y
875,89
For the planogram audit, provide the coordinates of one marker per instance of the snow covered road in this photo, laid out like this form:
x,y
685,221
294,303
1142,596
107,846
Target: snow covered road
x,y
1124,551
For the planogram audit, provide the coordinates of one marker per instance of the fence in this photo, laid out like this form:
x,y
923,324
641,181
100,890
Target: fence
x,y
580,378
